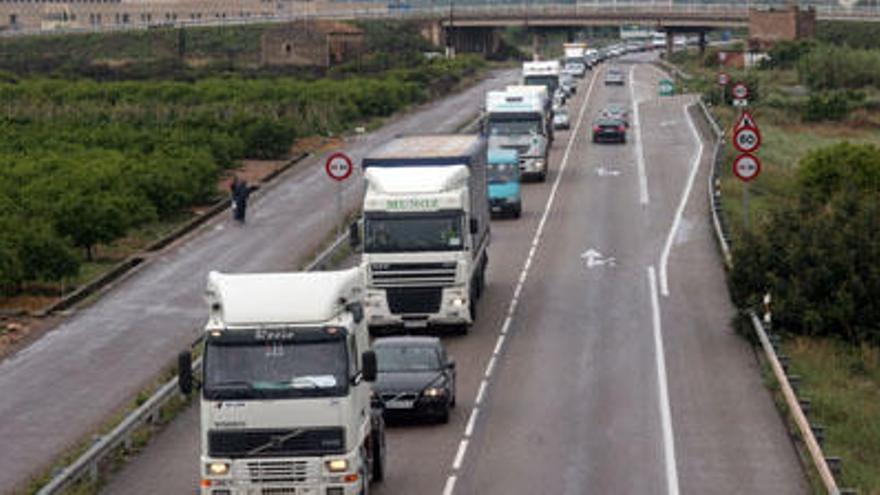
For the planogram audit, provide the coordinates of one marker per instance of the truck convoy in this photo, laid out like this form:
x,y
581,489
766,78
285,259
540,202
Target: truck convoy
x,y
575,63
425,231
286,395
504,182
521,118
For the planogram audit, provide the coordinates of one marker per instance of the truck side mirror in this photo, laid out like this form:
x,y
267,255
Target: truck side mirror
x,y
184,372
357,311
354,235
368,366
450,364
474,225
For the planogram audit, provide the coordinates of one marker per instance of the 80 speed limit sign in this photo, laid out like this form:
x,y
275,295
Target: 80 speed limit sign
x,y
747,139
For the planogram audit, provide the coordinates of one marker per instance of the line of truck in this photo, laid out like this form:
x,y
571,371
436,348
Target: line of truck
x,y
287,402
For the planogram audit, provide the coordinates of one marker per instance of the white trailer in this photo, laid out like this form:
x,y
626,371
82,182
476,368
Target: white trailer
x,y
286,394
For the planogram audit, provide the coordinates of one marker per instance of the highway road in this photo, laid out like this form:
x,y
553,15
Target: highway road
x,y
602,360
58,391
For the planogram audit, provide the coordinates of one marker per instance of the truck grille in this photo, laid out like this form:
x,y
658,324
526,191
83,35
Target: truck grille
x,y
279,472
412,274
409,300
278,491
519,148
276,443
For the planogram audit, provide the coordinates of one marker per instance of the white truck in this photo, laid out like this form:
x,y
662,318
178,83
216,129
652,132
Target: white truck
x,y
575,64
425,231
521,118
544,73
286,402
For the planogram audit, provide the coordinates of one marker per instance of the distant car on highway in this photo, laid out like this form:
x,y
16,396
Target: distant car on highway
x,y
616,111
561,120
614,77
607,130
415,377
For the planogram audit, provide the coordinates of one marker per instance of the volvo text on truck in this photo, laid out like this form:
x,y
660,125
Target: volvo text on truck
x,y
286,386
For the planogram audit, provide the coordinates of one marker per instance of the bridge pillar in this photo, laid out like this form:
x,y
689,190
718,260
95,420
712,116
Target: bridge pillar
x,y
702,43
670,43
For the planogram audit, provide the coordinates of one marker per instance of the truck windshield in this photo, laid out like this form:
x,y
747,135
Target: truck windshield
x,y
550,82
514,127
502,173
251,369
413,232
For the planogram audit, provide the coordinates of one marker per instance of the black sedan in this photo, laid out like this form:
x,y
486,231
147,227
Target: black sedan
x,y
606,130
415,377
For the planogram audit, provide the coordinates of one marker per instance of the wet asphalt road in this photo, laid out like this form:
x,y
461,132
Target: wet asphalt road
x,y
560,381
62,387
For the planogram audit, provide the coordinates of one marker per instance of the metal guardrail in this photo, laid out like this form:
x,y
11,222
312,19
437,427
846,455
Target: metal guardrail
x,y
821,463
88,464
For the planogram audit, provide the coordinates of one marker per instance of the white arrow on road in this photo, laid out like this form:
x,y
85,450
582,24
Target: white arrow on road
x,y
595,258
607,172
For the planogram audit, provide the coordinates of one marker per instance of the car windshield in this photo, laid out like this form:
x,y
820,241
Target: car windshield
x,y
518,127
399,358
413,232
275,369
502,173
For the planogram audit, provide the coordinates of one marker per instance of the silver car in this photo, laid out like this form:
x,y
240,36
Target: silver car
x,y
560,119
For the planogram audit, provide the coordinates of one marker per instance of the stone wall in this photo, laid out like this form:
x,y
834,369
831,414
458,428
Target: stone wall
x,y
767,27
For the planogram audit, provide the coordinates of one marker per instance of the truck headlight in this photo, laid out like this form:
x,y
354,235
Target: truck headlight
x,y
337,465
434,392
458,302
539,163
218,468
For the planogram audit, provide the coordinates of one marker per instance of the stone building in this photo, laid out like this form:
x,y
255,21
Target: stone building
x,y
311,43
767,27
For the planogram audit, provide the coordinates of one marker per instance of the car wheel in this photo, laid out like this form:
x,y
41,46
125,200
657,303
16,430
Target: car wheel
x,y
443,418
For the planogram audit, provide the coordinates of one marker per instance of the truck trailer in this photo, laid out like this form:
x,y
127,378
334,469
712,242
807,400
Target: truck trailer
x,y
425,231
286,394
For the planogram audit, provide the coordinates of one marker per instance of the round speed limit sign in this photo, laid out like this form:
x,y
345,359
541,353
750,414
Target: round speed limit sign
x,y
747,139
740,91
338,166
746,167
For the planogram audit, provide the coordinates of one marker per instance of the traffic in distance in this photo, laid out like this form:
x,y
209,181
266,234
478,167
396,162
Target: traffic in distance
x,y
299,370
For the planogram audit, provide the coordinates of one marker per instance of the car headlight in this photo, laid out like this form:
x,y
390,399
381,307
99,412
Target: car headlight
x,y
434,392
337,465
218,468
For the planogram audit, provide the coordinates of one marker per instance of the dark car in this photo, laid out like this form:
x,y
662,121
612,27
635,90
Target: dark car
x,y
415,377
607,130
614,77
616,111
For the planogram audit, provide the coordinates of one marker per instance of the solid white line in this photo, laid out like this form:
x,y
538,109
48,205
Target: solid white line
x,y
640,152
450,485
459,456
469,429
695,166
481,392
665,414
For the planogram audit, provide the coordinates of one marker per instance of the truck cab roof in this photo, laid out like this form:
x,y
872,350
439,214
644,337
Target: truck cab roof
x,y
280,298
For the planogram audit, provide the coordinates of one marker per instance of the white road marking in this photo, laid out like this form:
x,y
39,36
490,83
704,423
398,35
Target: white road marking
x,y
595,258
499,344
469,429
695,166
637,135
449,488
459,456
665,414
481,392
450,485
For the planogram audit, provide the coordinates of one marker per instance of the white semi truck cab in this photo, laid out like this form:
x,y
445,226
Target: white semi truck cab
x,y
544,73
574,60
286,386
425,231
520,118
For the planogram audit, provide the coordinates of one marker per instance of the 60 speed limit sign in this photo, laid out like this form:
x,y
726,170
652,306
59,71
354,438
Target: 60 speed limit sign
x,y
338,166
747,139
746,167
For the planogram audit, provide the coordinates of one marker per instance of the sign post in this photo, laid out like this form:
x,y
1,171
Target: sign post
x,y
723,80
746,139
339,167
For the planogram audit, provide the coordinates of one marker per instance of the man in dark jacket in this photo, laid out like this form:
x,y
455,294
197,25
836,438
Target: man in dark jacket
x,y
240,191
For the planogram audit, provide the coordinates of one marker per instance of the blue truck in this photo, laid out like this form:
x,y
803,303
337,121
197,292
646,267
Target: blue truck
x,y
504,182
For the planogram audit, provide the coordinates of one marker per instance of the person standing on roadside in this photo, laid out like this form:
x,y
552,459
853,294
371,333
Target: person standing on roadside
x,y
240,190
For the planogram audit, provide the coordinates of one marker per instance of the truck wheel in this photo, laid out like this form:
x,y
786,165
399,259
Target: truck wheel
x,y
517,212
378,457
543,176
